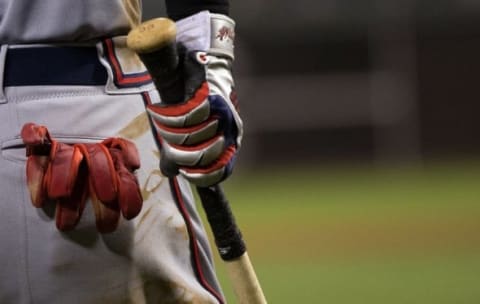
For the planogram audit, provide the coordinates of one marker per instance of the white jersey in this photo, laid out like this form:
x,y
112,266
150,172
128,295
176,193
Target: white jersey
x,y
42,21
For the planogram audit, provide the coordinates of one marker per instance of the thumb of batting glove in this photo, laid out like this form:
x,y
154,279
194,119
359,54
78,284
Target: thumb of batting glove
x,y
202,135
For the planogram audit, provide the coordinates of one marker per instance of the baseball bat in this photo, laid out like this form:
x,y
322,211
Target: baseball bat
x,y
155,43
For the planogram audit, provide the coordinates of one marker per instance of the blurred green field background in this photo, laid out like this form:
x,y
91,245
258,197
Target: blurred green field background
x,y
361,235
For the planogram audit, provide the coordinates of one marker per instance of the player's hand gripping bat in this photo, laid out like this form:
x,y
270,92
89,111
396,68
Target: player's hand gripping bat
x,y
154,42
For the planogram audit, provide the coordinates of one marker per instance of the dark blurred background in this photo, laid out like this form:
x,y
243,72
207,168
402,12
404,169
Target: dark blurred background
x,y
369,80
359,171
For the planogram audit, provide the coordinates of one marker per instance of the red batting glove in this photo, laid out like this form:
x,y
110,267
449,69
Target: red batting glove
x,y
113,187
67,174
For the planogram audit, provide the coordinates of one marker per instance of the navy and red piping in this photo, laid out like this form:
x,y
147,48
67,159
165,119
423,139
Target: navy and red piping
x,y
121,79
177,194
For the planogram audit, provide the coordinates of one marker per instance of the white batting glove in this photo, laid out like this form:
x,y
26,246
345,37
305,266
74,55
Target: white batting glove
x,y
203,134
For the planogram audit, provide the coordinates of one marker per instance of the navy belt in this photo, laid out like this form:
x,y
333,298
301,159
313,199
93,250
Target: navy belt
x,y
53,66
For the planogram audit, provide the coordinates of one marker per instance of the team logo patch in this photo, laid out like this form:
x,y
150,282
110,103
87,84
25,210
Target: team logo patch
x,y
225,33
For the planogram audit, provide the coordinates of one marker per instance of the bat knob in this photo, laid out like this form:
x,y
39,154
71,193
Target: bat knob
x,y
152,35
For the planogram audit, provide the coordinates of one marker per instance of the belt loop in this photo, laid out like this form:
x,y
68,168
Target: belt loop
x,y
3,56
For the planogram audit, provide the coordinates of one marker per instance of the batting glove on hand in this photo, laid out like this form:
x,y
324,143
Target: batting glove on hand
x,y
202,134
67,174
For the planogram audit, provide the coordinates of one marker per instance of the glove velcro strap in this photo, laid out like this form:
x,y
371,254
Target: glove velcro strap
x,y
207,32
222,35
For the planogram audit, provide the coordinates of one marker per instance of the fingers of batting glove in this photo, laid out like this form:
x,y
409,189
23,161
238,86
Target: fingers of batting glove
x,y
106,216
36,167
189,122
62,172
198,155
189,135
101,170
113,186
211,161
103,189
55,172
194,111
69,210
65,183
126,159
129,152
215,172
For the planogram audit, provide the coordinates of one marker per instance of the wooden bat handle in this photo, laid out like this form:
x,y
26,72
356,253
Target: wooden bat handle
x,y
246,287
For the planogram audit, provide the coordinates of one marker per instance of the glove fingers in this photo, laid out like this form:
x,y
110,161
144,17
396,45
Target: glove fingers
x,y
112,185
69,210
36,167
106,216
214,173
62,172
129,152
198,155
129,196
189,135
67,174
192,112
103,182
66,214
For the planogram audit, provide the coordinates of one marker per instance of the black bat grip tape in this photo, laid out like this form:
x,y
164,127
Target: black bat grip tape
x,y
165,69
228,237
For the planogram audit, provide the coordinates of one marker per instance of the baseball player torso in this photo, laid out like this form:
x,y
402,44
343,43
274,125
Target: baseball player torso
x,y
42,21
